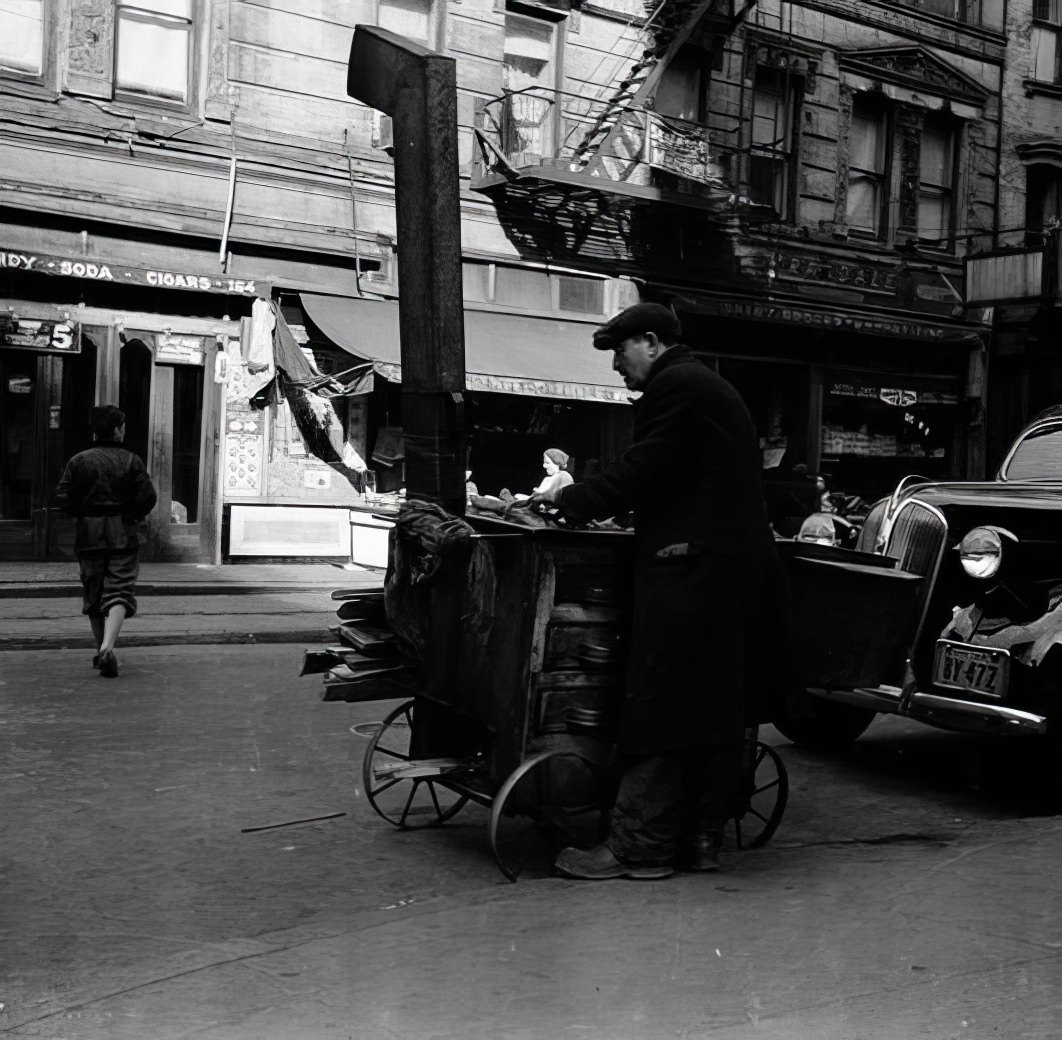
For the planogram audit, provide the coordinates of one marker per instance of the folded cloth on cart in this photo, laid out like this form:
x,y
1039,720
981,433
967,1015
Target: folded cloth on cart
x,y
425,535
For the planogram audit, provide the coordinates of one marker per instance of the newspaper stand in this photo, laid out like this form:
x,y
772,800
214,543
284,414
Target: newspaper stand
x,y
518,714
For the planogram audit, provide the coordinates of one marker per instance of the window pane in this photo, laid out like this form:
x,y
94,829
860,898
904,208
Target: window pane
x,y
767,182
408,18
936,158
867,142
177,8
864,207
679,93
934,216
522,287
476,278
21,35
153,58
528,53
581,295
768,119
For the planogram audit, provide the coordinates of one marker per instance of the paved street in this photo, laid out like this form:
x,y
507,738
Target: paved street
x,y
912,890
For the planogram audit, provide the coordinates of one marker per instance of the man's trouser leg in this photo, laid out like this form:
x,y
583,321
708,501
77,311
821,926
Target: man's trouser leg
x,y
644,822
711,786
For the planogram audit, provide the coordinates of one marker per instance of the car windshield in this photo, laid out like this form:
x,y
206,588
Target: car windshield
x,y
1038,456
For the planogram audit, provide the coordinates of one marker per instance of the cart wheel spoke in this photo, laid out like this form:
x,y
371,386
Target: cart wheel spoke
x,y
377,791
766,787
392,754
435,800
409,802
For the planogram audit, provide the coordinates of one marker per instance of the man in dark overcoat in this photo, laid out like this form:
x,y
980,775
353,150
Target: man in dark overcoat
x,y
106,488
702,551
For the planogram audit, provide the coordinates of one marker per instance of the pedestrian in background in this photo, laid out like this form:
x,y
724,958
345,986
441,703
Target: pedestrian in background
x,y
703,549
106,488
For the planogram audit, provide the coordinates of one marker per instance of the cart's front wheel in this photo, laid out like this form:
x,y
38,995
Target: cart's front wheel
x,y
401,797
765,794
552,800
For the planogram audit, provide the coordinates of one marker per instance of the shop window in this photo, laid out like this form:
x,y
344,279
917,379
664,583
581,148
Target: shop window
x,y
937,174
153,49
1043,200
771,163
187,440
22,36
529,81
876,428
409,18
580,295
1046,51
868,163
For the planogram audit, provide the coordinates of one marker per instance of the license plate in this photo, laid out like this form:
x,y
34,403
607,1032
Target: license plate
x,y
979,669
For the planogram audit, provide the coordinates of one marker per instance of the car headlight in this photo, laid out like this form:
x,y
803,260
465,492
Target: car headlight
x,y
981,551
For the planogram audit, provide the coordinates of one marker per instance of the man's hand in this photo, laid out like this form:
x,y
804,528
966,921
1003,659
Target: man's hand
x,y
539,502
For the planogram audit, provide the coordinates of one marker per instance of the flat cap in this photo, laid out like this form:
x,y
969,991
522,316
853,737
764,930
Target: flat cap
x,y
637,321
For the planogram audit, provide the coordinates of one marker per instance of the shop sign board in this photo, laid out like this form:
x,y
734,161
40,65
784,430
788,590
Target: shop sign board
x,y
48,337
179,350
151,277
866,324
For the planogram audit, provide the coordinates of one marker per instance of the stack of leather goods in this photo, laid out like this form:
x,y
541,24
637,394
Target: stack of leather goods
x,y
365,664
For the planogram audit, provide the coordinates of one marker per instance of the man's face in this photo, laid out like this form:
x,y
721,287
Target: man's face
x,y
634,358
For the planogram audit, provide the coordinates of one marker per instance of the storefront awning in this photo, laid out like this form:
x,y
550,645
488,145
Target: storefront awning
x,y
504,353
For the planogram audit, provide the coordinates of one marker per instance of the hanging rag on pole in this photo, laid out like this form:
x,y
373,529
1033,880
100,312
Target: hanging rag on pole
x,y
308,394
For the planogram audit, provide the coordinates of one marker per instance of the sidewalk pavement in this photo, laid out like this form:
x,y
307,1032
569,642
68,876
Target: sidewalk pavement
x,y
40,604
32,580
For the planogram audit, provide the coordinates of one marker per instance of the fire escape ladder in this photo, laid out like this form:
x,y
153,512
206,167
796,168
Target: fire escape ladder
x,y
599,145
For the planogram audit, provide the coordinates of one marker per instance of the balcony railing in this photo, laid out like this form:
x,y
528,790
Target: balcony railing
x,y
631,144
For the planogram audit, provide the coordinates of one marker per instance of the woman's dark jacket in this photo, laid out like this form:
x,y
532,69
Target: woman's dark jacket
x,y
108,490
703,545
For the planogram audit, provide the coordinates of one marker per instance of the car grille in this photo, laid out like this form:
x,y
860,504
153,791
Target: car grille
x,y
917,538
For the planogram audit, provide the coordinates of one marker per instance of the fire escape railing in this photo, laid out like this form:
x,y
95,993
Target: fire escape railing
x,y
542,127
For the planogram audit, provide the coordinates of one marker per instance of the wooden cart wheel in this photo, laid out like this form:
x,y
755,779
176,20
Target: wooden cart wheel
x,y
765,797
527,794
410,801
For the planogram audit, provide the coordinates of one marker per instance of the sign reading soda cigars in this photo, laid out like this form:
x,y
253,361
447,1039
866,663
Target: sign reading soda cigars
x,y
99,271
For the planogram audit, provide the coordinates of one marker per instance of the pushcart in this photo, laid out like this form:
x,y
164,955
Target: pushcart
x,y
516,690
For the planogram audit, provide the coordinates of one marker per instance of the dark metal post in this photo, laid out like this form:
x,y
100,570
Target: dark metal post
x,y
417,88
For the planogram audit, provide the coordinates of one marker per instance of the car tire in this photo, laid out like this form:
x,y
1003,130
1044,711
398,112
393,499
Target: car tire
x,y
817,723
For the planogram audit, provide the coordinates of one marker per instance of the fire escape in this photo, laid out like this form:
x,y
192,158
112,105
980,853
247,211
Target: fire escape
x,y
577,178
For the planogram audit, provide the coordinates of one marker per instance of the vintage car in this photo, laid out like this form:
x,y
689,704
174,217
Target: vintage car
x,y
948,611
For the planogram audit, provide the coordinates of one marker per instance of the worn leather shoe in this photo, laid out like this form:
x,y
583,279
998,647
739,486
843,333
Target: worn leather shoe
x,y
599,864
700,852
108,664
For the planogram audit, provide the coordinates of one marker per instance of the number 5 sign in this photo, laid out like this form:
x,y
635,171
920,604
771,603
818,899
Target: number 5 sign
x,y
49,337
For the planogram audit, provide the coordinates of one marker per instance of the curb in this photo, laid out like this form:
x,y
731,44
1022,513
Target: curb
x,y
315,636
67,590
